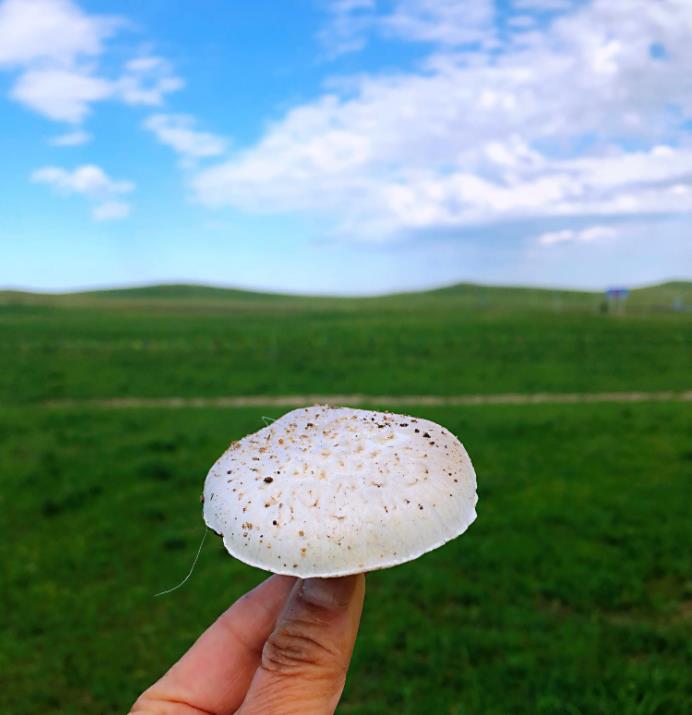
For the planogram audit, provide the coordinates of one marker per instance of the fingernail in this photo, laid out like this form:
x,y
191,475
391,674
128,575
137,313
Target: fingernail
x,y
332,593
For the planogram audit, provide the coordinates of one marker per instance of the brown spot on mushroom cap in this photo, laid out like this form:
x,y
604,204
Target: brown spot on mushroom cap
x,y
352,476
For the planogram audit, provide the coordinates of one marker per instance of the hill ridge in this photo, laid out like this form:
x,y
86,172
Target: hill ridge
x,y
196,291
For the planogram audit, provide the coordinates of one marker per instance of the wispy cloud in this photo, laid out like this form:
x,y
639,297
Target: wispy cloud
x,y
110,211
446,22
60,94
146,81
348,25
178,131
67,94
51,30
566,122
545,5
585,235
91,182
73,138
55,47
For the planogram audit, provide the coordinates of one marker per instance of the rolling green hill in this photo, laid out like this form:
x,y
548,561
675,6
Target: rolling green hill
x,y
181,291
154,293
662,296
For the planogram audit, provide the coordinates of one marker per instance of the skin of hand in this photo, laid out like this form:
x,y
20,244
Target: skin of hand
x,y
282,649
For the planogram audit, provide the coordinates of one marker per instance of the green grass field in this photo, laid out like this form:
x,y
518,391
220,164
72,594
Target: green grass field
x,y
450,342
572,593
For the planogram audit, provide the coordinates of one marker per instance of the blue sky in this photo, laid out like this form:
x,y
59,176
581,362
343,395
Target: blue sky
x,y
345,146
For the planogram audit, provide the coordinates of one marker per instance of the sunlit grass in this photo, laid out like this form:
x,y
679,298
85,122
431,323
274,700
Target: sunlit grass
x,y
570,594
384,346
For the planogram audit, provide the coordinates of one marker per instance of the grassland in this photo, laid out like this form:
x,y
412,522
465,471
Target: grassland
x,y
570,594
455,341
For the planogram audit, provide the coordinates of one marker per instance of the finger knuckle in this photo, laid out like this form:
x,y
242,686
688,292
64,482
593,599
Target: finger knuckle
x,y
297,647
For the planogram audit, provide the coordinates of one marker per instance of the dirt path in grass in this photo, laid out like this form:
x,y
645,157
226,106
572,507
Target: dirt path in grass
x,y
386,400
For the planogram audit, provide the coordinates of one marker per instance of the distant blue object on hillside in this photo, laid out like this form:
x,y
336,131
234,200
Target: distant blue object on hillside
x,y
617,293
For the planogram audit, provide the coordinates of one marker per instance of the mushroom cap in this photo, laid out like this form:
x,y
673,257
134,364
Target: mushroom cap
x,y
328,491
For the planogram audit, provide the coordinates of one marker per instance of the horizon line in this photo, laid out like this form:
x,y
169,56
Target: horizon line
x,y
269,291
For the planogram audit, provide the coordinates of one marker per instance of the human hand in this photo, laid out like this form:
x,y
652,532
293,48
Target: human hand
x,y
282,649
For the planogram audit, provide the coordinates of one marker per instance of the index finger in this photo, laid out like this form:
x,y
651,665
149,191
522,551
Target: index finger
x,y
214,675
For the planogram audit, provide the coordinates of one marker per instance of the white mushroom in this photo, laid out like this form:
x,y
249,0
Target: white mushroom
x,y
328,491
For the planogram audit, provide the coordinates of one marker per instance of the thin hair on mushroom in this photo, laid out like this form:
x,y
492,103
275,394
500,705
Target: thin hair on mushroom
x,y
192,568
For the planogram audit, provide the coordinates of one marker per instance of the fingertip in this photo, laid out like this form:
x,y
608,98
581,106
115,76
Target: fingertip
x,y
329,593
305,659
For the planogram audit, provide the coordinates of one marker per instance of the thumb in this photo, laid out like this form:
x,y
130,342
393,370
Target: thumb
x,y
305,659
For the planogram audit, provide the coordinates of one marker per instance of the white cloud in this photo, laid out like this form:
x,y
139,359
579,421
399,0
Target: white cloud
x,y
585,235
550,238
56,47
542,127
60,94
349,23
74,138
88,179
444,22
178,131
146,81
110,211
447,22
55,30
522,22
348,6
66,94
643,251
544,5
596,233
93,183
